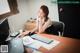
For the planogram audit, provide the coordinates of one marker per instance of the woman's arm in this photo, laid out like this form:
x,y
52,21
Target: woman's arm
x,y
45,26
35,29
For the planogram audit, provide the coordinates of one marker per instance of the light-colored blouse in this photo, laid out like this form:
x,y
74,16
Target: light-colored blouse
x,y
41,25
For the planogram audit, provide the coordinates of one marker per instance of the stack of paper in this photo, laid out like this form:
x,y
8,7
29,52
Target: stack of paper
x,y
35,44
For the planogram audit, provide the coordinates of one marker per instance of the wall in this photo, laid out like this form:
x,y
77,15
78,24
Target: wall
x,y
53,9
28,9
16,21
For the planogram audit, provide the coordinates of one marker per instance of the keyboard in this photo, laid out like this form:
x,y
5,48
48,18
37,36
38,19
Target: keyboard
x,y
42,39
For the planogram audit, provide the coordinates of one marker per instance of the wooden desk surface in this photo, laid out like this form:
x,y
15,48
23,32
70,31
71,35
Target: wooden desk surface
x,y
67,45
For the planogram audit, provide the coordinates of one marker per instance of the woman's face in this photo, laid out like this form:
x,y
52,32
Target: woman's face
x,y
41,14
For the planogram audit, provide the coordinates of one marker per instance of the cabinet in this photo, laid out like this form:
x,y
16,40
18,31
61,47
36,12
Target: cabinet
x,y
70,15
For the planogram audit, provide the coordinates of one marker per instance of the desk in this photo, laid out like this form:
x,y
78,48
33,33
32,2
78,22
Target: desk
x,y
67,45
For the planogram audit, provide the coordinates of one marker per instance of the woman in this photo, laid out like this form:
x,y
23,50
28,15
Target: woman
x,y
42,22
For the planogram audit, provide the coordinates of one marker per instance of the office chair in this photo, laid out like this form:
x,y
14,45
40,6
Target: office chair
x,y
57,28
4,31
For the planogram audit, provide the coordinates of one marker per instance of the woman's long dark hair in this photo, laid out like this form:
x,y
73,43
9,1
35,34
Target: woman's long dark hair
x,y
45,10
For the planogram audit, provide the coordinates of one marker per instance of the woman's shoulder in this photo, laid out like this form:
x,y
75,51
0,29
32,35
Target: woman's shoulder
x,y
49,19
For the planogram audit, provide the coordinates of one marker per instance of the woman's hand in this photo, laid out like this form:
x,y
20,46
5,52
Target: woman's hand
x,y
26,32
23,33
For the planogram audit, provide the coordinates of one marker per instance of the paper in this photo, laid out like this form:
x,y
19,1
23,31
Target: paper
x,y
27,40
37,44
51,45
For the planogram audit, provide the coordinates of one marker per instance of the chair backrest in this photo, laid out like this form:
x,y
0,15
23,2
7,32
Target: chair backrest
x,y
56,28
59,26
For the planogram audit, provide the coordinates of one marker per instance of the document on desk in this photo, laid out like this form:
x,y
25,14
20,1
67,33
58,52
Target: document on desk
x,y
37,44
27,40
